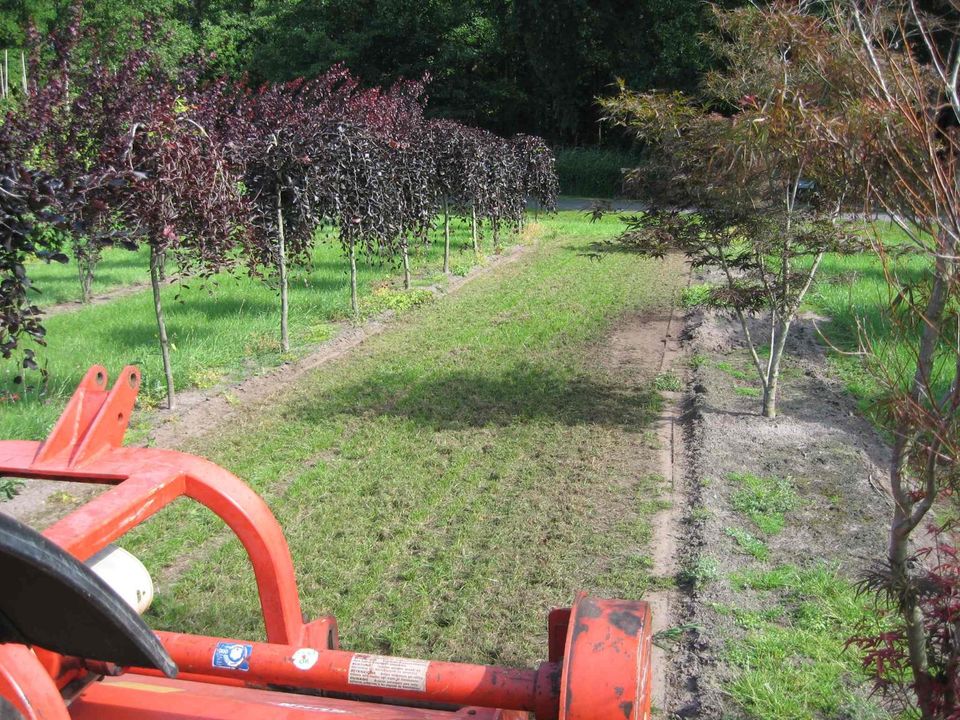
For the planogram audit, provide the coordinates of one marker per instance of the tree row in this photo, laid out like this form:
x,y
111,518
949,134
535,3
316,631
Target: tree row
x,y
219,175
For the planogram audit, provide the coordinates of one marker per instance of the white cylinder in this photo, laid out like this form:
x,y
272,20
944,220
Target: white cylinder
x,y
126,575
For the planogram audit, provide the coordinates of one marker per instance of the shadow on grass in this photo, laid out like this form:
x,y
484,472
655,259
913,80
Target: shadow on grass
x,y
470,399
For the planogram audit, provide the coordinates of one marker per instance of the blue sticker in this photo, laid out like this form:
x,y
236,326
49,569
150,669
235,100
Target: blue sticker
x,y
232,656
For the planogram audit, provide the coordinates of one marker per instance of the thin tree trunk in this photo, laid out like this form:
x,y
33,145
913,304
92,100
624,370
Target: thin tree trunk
x,y
406,265
496,238
476,236
156,261
773,375
6,72
23,70
910,610
908,512
446,236
354,302
282,267
86,280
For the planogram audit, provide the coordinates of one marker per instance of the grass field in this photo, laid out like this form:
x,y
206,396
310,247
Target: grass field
x,y
219,329
852,292
60,283
454,477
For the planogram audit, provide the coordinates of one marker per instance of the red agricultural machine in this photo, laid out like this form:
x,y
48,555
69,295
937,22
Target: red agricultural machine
x,y
72,647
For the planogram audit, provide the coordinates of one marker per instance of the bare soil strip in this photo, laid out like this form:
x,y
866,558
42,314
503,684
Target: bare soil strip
x,y
200,412
828,454
645,346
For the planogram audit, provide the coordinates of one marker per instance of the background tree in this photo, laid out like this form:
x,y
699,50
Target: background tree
x,y
516,66
748,191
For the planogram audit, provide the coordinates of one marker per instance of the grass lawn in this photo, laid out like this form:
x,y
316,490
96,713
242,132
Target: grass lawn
x,y
60,283
219,329
852,289
455,476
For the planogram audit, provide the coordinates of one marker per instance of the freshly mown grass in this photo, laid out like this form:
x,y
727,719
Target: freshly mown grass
x,y
454,477
790,659
225,327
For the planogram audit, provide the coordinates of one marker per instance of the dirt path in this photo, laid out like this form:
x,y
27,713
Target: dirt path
x,y
202,412
646,346
101,299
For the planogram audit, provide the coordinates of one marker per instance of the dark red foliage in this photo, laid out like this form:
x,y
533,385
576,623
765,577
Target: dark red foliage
x,y
885,654
537,170
194,170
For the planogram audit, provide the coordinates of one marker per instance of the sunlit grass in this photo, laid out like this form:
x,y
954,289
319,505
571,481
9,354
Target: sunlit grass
x,y
853,293
223,327
457,476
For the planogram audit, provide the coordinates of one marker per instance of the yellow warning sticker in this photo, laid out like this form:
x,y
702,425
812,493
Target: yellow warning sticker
x,y
388,672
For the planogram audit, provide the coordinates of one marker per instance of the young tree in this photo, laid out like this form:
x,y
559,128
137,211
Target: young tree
x,y
185,202
448,144
359,194
537,171
747,191
272,137
67,120
903,113
47,181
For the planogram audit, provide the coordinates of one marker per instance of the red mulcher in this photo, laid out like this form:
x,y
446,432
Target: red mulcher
x,y
70,647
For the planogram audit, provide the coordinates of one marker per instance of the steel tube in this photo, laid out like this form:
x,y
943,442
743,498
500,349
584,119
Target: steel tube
x,y
355,673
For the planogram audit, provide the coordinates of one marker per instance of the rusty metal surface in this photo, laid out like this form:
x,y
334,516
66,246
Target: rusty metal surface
x,y
606,665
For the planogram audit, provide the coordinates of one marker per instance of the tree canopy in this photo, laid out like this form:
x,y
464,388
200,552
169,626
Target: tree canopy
x,y
509,66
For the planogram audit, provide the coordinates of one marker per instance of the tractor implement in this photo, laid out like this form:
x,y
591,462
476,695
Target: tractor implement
x,y
73,645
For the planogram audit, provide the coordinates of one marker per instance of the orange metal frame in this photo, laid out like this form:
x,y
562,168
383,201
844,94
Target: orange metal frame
x,y
599,651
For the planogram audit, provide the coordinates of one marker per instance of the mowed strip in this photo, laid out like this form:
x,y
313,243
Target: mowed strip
x,y
458,475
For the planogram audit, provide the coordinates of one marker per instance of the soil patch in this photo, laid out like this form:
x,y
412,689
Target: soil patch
x,y
819,452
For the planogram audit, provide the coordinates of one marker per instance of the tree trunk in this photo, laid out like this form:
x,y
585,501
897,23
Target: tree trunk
x,y
86,280
496,238
406,265
908,512
476,236
156,262
773,373
446,236
284,289
909,610
354,302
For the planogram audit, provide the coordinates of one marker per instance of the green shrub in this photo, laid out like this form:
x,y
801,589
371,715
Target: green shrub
x,y
399,301
593,172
